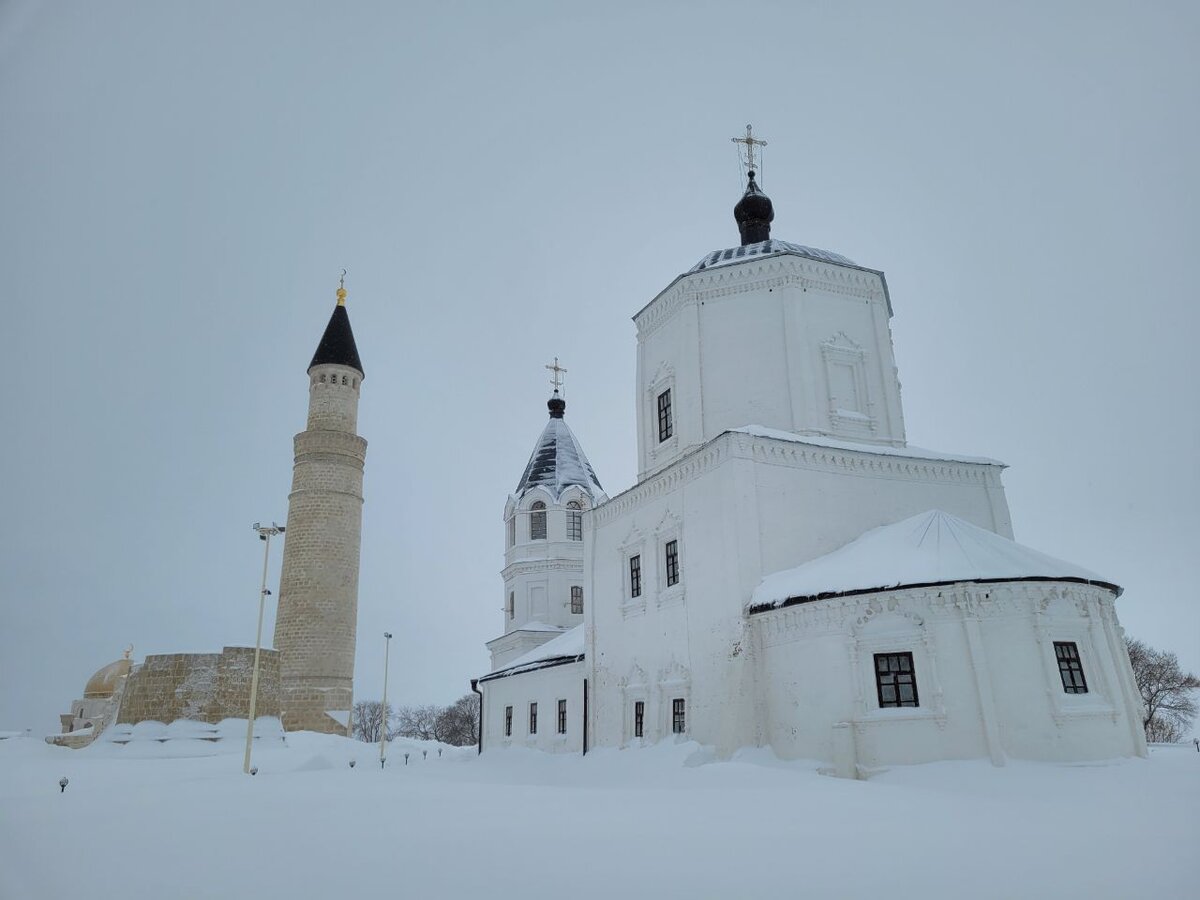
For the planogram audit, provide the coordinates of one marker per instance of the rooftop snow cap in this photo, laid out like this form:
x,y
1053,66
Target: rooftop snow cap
x,y
558,461
931,548
337,347
754,214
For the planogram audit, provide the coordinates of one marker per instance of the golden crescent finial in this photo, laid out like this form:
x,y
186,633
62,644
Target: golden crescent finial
x,y
341,291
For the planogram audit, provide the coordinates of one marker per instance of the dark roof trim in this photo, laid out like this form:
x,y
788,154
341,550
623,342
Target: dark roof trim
x,y
796,601
534,666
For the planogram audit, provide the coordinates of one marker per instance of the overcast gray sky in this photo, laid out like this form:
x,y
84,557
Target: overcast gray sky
x,y
181,183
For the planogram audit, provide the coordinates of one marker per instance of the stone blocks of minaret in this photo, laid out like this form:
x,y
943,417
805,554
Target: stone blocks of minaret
x,y
318,594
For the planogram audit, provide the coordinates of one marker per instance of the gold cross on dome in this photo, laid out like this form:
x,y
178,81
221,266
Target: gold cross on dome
x,y
558,371
751,142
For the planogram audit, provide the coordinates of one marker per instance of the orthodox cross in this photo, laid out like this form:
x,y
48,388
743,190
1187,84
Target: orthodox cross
x,y
558,373
751,142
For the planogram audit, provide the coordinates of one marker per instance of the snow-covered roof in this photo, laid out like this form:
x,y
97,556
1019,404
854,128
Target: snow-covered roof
x,y
882,449
933,547
566,648
558,462
768,248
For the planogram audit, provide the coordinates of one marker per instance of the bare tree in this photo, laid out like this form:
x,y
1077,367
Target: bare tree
x,y
367,718
1166,692
417,722
459,722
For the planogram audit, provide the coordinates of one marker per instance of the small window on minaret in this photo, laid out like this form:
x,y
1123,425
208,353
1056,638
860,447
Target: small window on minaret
x,y
512,531
537,521
322,379
665,425
345,380
512,604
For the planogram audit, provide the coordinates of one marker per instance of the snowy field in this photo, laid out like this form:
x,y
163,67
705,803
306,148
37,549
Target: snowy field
x,y
151,822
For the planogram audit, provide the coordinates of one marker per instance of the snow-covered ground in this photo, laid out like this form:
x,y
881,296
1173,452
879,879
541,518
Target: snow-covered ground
x,y
659,822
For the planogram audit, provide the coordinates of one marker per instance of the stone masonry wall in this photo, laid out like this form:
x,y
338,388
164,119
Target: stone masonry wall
x,y
203,687
316,624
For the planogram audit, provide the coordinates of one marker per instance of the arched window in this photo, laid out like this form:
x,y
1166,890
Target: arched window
x,y
511,531
574,521
537,521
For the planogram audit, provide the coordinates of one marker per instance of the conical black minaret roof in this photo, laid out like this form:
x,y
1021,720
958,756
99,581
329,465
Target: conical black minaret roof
x,y
337,347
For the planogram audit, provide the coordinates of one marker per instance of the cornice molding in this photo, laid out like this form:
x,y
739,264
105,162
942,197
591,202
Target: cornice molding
x,y
767,273
773,451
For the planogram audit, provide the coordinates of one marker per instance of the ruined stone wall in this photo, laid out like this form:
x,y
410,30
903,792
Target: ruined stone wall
x,y
203,687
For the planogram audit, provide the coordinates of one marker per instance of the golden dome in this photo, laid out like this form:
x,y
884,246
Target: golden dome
x,y
104,682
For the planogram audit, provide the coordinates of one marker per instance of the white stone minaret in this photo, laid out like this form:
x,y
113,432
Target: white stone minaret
x,y
318,590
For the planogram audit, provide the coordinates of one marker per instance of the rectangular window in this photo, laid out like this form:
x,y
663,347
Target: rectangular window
x,y
639,718
537,521
635,576
678,722
576,600
1070,667
533,718
512,604
672,563
508,721
895,679
512,531
664,415
574,525
562,716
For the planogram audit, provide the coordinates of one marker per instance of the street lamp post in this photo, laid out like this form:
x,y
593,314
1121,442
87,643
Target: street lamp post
x,y
387,646
265,533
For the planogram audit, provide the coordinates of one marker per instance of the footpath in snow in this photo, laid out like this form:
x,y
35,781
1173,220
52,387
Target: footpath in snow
x,y
180,820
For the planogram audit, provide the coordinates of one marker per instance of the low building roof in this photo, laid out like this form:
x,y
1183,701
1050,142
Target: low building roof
x,y
930,548
566,648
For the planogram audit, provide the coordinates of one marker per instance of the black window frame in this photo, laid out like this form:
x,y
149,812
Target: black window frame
x,y
562,716
508,716
900,671
574,521
537,521
635,575
639,718
671,551
577,600
666,425
678,715
533,717
1070,665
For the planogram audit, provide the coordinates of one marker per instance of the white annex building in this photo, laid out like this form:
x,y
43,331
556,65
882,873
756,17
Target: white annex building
x,y
787,571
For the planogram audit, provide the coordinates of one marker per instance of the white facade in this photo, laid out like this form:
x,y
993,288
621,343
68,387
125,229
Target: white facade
x,y
771,434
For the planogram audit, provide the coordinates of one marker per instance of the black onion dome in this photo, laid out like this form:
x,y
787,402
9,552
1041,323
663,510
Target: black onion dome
x,y
754,214
337,347
557,406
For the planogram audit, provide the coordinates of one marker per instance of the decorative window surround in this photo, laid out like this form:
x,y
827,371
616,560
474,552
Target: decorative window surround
x,y
633,545
1049,629
674,683
668,529
664,380
851,409
634,690
893,631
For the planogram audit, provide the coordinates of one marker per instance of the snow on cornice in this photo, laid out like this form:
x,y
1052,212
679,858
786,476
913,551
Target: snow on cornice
x,y
566,648
881,449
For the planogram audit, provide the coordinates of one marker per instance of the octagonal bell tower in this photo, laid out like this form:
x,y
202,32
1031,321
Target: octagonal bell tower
x,y
318,589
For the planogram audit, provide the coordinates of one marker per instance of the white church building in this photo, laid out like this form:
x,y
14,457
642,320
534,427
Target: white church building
x,y
787,571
